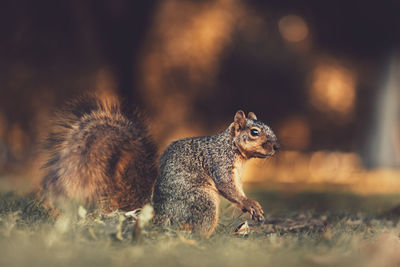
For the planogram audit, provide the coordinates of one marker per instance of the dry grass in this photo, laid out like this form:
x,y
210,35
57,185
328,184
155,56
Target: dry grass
x,y
309,229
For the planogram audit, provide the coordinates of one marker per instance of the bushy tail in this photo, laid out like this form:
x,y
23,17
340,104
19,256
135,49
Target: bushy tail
x,y
99,152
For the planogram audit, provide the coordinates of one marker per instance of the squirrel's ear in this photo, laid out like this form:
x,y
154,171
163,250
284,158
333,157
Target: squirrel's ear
x,y
252,116
240,118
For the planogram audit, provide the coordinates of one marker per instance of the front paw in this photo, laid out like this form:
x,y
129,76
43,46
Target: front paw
x,y
254,208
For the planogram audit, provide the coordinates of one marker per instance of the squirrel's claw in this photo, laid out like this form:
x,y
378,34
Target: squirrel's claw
x,y
254,208
260,219
257,217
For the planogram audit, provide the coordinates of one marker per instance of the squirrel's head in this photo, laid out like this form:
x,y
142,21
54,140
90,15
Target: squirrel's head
x,y
253,138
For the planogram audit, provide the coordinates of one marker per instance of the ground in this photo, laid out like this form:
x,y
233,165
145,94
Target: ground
x,y
303,229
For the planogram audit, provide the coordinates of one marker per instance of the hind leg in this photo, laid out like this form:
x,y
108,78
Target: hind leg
x,y
203,209
196,211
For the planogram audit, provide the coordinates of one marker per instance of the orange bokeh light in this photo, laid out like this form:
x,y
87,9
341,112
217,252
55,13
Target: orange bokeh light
x,y
293,28
333,88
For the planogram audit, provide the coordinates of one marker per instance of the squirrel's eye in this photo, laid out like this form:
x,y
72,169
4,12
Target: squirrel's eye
x,y
254,132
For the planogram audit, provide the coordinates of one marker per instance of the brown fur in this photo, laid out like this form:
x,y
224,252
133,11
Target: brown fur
x,y
99,153
196,171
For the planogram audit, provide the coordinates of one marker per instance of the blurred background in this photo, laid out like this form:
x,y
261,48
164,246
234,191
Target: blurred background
x,y
325,75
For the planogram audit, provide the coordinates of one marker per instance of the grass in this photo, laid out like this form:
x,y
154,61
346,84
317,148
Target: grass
x,y
306,229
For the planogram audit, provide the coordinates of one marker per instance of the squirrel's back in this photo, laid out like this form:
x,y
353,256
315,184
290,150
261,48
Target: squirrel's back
x,y
100,153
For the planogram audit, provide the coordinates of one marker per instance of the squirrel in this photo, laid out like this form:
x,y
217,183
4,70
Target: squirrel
x,y
102,154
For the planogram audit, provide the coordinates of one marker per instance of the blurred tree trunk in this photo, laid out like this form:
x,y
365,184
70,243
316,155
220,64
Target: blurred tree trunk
x,y
384,140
